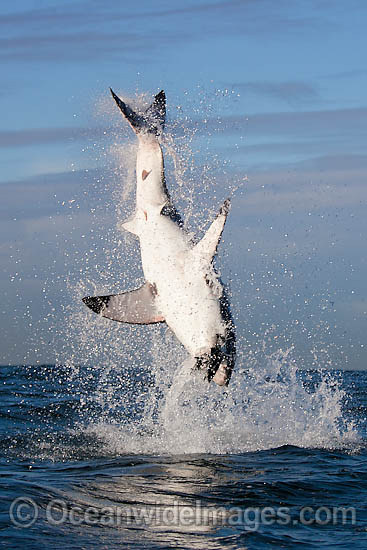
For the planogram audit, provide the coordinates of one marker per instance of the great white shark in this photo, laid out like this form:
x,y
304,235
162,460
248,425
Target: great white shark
x,y
182,287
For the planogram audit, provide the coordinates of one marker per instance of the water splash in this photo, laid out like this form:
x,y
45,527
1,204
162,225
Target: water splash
x,y
267,405
148,400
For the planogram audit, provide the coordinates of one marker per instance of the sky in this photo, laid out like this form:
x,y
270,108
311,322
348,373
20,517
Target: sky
x,y
275,96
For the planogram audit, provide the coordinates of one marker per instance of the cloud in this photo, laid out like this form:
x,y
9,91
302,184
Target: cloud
x,y
337,163
52,179
45,136
287,149
351,123
95,12
349,74
84,30
79,45
43,195
95,28
323,183
339,125
303,198
29,137
288,91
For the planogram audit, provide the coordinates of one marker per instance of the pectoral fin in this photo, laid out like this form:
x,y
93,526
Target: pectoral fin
x,y
135,307
132,226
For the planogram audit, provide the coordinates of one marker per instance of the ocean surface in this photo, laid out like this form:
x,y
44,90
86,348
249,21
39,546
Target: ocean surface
x,y
279,460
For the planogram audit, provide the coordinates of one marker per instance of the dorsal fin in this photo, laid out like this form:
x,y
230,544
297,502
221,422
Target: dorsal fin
x,y
135,307
152,121
207,247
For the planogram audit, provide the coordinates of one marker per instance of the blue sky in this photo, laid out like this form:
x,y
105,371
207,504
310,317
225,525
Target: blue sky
x,y
275,90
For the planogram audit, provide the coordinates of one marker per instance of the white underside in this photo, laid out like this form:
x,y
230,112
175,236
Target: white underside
x,y
188,304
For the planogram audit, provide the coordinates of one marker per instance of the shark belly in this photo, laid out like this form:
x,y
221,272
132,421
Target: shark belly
x,y
184,298
193,316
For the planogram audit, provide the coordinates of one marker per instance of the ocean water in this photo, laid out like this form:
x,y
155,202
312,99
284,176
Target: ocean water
x,y
279,460
119,445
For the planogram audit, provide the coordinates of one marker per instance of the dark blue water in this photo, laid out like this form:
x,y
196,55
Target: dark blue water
x,y
278,462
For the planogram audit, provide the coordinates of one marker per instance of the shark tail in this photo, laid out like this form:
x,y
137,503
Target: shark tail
x,y
151,121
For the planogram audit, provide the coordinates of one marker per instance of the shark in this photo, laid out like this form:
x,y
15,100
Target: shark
x,y
182,287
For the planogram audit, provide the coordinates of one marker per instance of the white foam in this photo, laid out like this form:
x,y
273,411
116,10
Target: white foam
x,y
266,405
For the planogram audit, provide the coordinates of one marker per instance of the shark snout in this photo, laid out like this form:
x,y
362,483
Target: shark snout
x,y
222,375
217,366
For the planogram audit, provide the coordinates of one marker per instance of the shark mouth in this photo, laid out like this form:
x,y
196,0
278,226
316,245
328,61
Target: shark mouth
x,y
217,364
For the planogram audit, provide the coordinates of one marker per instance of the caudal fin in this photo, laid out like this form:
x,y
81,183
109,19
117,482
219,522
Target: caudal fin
x,y
151,121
